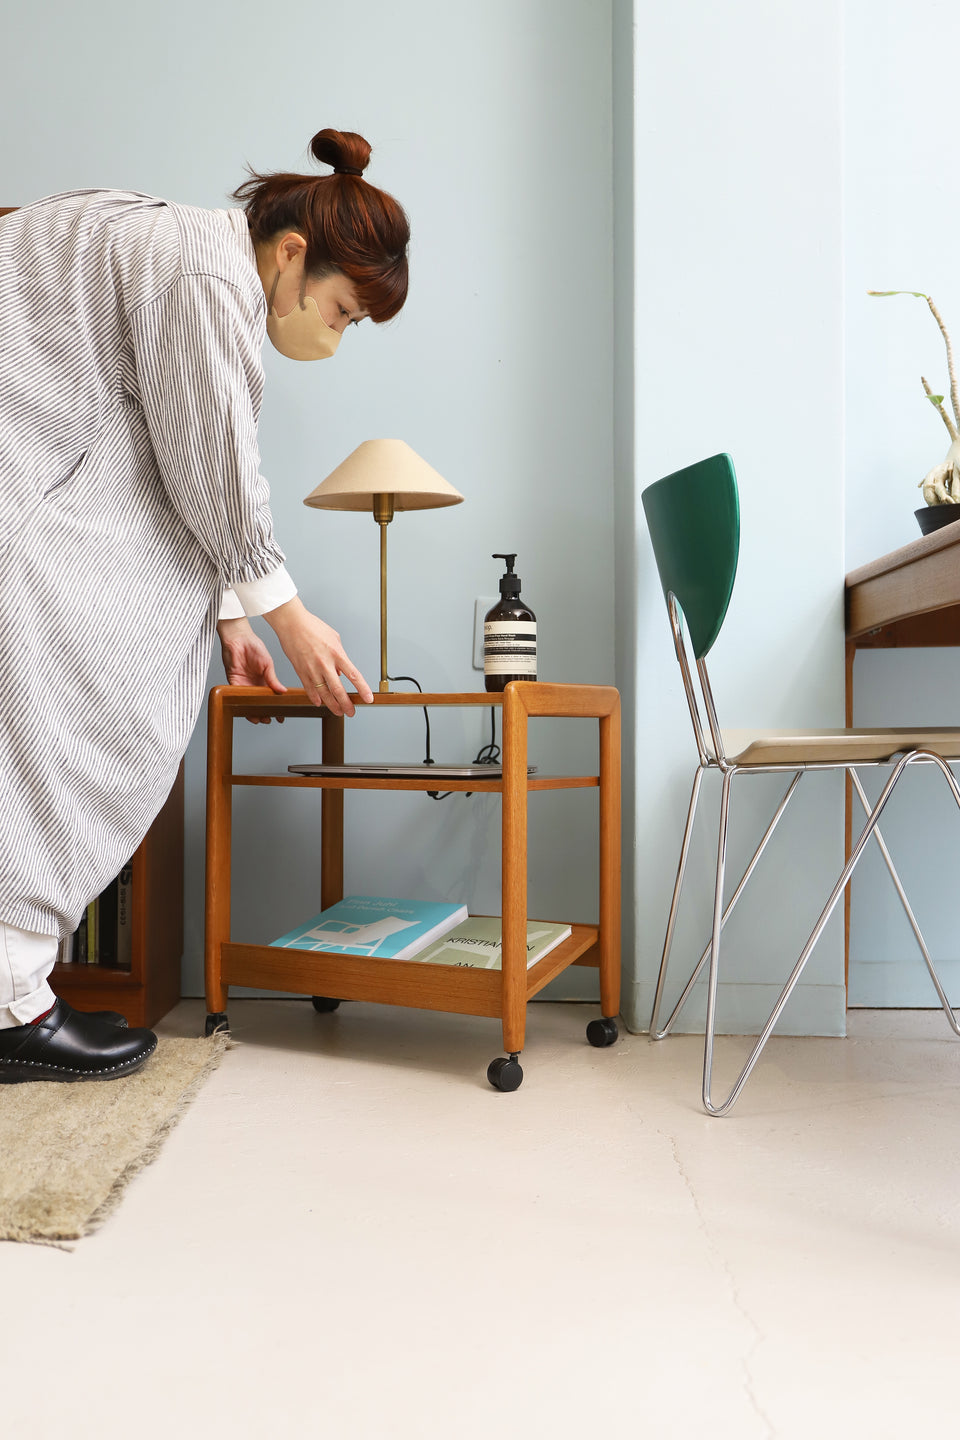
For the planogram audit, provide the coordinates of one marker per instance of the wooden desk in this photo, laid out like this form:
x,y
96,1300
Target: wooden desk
x,y
501,993
908,598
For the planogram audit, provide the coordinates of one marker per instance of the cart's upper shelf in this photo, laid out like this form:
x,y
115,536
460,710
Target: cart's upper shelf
x,y
425,782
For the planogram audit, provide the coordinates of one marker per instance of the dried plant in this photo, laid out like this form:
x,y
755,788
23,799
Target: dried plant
x,y
941,486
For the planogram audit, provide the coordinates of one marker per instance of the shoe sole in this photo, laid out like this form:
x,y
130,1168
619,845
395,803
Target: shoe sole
x,y
13,1072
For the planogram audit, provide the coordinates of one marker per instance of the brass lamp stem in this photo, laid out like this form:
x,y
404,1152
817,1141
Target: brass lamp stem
x,y
383,514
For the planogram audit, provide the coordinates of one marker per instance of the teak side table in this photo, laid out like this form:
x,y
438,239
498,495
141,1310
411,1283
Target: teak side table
x,y
329,978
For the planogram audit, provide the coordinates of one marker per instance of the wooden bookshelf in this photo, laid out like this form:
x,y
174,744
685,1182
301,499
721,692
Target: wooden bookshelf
x,y
151,986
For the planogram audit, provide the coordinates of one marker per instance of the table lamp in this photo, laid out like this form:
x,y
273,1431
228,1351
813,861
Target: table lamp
x,y
383,476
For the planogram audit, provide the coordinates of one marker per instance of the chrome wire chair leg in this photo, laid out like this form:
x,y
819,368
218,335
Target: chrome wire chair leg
x,y
918,936
815,934
656,1034
712,977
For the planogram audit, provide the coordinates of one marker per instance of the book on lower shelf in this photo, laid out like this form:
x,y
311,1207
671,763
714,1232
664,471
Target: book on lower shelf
x,y
384,927
477,943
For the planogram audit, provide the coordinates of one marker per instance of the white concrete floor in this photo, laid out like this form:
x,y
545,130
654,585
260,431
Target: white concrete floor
x,y
350,1234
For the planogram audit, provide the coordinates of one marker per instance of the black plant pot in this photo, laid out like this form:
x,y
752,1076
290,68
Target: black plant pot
x,y
931,517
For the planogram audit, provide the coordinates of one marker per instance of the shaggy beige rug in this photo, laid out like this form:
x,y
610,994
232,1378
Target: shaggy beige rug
x,y
68,1151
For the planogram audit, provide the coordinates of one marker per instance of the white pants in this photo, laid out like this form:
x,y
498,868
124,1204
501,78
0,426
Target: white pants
x,y
26,960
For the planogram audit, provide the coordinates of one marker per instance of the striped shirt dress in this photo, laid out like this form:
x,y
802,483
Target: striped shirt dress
x,y
130,501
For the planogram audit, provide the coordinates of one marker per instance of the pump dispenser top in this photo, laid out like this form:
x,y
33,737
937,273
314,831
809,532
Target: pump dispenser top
x,y
509,583
509,634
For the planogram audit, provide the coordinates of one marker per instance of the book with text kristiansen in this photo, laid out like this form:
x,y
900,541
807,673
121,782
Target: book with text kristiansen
x,y
477,943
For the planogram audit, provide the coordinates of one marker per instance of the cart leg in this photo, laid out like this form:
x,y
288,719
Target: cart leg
x,y
331,835
219,813
331,816
513,901
610,863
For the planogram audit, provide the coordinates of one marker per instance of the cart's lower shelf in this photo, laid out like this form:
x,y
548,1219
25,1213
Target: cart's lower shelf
x,y
455,988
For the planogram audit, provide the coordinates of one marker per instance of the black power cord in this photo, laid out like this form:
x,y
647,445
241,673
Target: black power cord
x,y
489,754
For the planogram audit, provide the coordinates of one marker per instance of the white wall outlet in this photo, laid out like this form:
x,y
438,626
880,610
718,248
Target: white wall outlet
x,y
480,608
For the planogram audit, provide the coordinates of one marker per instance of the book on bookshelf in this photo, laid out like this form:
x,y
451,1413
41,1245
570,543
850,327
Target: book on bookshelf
x,y
125,918
92,949
105,933
477,943
80,941
377,925
106,904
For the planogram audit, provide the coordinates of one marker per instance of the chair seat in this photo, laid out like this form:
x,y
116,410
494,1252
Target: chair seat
x,y
834,747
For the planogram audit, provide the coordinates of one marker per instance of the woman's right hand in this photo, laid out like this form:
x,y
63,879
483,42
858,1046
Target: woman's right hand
x,y
316,653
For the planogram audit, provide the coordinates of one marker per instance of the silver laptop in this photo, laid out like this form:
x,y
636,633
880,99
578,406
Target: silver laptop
x,y
376,769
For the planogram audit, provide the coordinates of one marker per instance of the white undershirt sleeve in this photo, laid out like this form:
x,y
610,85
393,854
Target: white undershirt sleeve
x,y
230,607
255,597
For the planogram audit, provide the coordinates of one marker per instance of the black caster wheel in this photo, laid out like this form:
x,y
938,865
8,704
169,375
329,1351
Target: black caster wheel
x,y
216,1021
323,1004
504,1073
602,1032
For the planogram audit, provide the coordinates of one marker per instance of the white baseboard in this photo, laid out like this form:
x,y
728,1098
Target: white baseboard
x,y
743,1008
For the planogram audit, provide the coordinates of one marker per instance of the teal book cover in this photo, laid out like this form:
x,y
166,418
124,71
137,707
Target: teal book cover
x,y
383,926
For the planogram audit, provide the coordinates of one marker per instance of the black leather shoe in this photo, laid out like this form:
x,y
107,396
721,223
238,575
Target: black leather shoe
x,y
68,1045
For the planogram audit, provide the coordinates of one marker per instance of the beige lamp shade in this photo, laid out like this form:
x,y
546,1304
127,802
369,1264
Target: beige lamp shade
x,y
383,467
382,476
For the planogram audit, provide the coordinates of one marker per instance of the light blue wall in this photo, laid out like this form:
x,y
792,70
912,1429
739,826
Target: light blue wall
x,y
491,123
902,214
624,453
738,315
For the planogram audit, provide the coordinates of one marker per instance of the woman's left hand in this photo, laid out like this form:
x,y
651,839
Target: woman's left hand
x,y
246,660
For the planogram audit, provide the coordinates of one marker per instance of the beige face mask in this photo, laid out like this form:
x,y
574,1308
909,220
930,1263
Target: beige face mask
x,y
303,334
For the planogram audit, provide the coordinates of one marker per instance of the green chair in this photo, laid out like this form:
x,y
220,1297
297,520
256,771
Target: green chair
x,y
694,522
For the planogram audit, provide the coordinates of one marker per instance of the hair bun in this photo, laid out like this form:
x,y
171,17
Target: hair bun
x,y
345,151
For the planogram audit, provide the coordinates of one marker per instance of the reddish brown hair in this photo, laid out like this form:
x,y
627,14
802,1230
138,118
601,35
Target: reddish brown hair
x,y
349,225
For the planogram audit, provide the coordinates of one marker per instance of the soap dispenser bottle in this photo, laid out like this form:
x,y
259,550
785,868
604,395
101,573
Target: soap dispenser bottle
x,y
509,635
